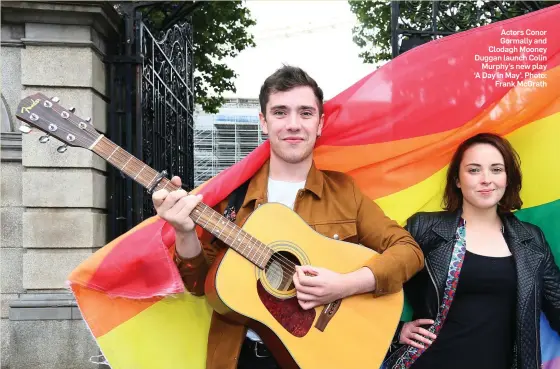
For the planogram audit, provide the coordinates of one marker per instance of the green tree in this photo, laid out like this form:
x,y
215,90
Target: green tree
x,y
373,32
219,32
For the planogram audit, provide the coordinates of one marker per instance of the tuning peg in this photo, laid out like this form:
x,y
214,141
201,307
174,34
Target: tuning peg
x,y
44,139
55,99
72,109
24,129
88,119
62,149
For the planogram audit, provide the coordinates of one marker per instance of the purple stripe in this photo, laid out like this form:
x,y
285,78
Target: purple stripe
x,y
552,364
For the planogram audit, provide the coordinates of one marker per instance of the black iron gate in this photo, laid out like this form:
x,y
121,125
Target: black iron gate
x,y
416,22
151,110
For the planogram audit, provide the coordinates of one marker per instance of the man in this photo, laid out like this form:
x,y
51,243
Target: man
x,y
292,116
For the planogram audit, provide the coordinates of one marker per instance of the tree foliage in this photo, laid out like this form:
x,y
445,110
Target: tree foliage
x,y
219,32
373,32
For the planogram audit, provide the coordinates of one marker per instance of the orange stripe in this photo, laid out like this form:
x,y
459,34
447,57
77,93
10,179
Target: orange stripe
x,y
349,158
103,313
404,163
87,268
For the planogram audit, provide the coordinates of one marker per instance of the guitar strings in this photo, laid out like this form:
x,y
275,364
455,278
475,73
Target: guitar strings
x,y
248,238
284,262
233,231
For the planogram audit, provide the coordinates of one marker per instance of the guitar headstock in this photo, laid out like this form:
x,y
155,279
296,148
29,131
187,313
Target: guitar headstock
x,y
50,117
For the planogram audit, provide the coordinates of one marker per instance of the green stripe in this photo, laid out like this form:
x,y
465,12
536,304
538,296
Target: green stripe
x,y
546,216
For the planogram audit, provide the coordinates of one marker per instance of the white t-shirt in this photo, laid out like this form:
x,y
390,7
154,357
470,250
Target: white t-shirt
x,y
284,193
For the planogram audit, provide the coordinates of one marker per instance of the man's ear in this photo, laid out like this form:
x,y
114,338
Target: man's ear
x,y
262,119
320,126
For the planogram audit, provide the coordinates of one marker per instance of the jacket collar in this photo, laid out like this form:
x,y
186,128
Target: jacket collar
x,y
446,227
514,230
258,186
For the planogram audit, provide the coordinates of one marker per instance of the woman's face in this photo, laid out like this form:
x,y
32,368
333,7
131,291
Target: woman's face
x,y
482,176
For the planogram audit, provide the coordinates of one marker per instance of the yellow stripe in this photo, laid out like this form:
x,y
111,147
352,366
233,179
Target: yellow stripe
x,y
173,333
538,146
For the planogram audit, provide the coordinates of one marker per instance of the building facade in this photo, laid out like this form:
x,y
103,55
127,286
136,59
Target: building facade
x,y
53,206
223,139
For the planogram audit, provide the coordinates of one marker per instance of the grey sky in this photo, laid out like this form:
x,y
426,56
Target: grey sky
x,y
315,35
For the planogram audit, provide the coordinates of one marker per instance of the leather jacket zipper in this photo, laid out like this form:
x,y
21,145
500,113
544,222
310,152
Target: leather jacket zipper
x,y
438,303
537,323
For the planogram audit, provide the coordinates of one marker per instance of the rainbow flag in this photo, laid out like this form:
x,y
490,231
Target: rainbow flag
x,y
394,131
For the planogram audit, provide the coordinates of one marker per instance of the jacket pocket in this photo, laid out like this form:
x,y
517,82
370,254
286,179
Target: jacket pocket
x,y
339,230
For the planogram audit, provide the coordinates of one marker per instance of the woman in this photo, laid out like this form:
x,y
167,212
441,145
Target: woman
x,y
488,275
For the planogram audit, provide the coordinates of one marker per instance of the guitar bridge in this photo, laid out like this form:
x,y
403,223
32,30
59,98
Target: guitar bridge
x,y
327,314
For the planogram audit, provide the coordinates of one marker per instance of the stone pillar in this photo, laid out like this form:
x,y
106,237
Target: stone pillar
x,y
11,214
58,49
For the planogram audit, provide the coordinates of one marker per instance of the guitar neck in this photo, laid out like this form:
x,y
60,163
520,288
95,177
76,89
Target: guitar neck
x,y
203,215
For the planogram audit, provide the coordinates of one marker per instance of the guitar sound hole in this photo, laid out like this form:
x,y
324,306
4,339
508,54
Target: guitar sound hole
x,y
280,270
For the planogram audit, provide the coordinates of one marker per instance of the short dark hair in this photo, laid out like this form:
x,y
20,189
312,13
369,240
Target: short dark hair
x,y
453,198
285,79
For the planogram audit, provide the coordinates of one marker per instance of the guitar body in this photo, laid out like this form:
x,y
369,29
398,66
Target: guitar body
x,y
353,333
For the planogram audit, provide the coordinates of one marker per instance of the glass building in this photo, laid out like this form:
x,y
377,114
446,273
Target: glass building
x,y
223,139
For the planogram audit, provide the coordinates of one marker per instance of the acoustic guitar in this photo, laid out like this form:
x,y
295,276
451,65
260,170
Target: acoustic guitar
x,y
252,280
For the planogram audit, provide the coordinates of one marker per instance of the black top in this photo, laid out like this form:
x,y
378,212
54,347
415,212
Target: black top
x,y
480,328
537,276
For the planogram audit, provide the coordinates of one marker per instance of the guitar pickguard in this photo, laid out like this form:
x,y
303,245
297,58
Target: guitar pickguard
x,y
287,312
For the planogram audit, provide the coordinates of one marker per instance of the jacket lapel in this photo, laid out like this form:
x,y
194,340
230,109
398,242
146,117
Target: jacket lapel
x,y
438,259
527,258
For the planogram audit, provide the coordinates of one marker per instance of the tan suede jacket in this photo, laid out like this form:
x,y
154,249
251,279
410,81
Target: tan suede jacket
x,y
332,205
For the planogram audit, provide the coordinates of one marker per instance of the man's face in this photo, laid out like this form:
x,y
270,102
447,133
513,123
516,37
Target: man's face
x,y
292,123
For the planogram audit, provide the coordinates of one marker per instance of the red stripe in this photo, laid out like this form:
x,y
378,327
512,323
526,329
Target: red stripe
x,y
228,180
433,85
417,85
140,266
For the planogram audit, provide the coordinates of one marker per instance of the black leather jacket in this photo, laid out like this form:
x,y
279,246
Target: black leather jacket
x,y
538,278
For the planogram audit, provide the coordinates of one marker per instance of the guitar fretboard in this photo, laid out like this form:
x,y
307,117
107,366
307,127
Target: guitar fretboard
x,y
203,215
